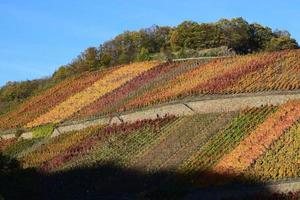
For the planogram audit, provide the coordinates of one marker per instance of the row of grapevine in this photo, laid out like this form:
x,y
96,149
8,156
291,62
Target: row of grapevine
x,y
55,147
121,149
281,75
184,82
38,105
223,80
224,142
259,140
228,80
143,84
85,146
81,99
228,76
115,101
182,133
281,160
141,156
110,99
201,132
249,143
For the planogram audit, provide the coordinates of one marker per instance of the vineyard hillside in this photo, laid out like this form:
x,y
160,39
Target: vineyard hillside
x,y
140,85
236,132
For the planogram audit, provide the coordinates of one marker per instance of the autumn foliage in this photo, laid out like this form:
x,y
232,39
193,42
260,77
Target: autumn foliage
x,y
259,140
81,99
44,102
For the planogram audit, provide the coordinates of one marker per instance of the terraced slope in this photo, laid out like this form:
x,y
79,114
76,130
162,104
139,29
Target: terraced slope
x,y
189,143
44,102
253,73
113,102
139,85
79,100
173,152
179,142
242,74
223,143
260,139
281,160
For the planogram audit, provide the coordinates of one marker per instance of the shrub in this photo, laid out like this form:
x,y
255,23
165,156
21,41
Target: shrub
x,y
19,132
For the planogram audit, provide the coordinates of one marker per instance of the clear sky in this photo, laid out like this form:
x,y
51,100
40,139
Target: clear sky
x,y
36,37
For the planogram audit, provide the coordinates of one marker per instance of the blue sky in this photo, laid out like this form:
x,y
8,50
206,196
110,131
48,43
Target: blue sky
x,y
36,37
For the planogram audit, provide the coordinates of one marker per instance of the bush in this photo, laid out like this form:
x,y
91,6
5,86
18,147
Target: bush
x,y
143,55
19,132
281,43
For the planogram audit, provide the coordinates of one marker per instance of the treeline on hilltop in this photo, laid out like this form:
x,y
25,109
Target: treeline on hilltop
x,y
176,42
188,39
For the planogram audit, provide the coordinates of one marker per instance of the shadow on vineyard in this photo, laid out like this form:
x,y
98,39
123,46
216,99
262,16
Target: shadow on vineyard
x,y
101,182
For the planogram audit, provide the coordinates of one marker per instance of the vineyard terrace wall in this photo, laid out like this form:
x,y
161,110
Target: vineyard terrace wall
x,y
179,109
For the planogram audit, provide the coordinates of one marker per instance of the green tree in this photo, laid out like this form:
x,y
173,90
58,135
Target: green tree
x,y
183,35
261,36
143,55
281,43
61,73
105,60
91,58
237,33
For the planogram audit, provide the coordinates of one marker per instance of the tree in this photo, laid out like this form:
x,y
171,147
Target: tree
x,y
105,60
144,55
91,58
237,33
281,43
14,91
162,37
61,73
279,33
261,36
184,35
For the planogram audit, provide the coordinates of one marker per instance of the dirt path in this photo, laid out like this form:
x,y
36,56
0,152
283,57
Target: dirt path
x,y
218,105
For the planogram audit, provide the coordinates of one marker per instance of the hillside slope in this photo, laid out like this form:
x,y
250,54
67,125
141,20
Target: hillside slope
x,y
151,83
159,157
174,153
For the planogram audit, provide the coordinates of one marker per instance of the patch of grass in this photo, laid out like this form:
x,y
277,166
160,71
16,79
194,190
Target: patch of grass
x,y
43,131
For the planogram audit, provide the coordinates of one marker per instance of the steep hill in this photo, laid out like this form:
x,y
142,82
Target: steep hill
x,y
189,39
165,157
161,158
144,84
